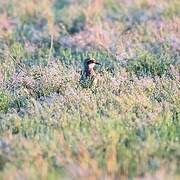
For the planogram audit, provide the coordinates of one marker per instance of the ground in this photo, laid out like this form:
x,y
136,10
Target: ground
x,y
125,127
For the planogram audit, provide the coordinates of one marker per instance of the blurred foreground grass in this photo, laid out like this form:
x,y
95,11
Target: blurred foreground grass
x,y
128,127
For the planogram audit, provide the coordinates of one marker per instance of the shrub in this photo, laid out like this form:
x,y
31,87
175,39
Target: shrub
x,y
78,24
147,64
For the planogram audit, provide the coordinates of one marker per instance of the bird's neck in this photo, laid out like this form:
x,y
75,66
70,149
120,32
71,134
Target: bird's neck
x,y
89,72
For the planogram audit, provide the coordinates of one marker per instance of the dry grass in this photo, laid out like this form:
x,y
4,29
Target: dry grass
x,y
125,128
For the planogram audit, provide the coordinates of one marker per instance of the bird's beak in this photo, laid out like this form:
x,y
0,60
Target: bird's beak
x,y
97,63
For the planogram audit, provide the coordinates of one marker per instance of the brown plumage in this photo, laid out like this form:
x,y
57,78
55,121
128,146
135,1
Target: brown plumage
x,y
89,76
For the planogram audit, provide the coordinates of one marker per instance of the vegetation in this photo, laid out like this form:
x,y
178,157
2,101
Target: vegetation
x,y
125,127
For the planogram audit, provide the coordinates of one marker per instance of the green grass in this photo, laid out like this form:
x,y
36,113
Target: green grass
x,y
125,127
4,101
150,64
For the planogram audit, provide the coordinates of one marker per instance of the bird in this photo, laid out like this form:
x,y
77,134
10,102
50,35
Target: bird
x,y
89,76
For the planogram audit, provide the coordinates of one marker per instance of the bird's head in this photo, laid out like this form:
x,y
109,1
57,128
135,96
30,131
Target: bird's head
x,y
90,63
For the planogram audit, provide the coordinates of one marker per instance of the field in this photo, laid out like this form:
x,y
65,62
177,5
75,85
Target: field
x,y
125,127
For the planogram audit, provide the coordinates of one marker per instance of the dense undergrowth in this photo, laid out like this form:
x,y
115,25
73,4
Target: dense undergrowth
x,y
127,126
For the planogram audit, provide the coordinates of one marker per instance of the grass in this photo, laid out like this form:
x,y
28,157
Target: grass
x,y
126,127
